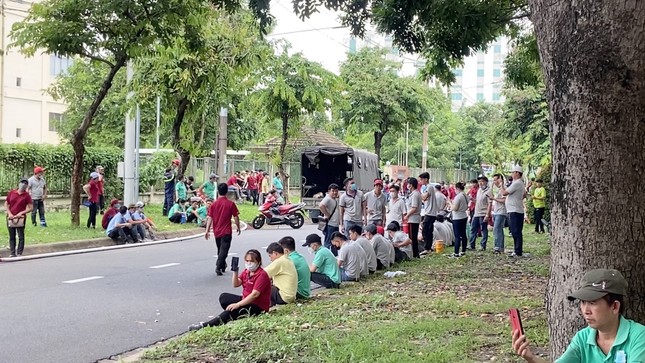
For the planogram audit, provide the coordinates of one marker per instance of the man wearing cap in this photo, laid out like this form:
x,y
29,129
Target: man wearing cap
x,y
115,205
515,207
351,258
17,204
383,249
92,191
169,178
375,202
608,337
351,205
120,230
208,188
37,189
324,268
481,213
330,211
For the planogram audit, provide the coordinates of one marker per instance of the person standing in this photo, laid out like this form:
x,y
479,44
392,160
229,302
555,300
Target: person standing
x,y
414,214
208,188
375,202
460,219
169,179
351,206
479,221
515,207
181,192
499,214
265,186
252,187
539,203
17,204
92,191
219,219
330,211
101,171
277,183
396,205
37,188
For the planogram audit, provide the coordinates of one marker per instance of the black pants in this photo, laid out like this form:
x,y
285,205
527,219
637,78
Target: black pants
x,y
323,280
101,203
226,299
223,245
168,201
91,220
255,196
414,236
191,218
176,218
121,235
516,224
400,256
538,215
428,231
461,239
276,299
12,240
39,206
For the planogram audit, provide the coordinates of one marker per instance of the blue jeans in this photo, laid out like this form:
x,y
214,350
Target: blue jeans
x,y
461,240
348,224
498,231
345,277
475,224
516,224
329,230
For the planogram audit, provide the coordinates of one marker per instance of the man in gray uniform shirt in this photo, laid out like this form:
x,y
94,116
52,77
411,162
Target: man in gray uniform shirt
x,y
351,206
375,202
37,188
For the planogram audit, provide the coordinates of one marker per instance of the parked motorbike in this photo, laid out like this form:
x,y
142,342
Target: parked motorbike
x,y
292,215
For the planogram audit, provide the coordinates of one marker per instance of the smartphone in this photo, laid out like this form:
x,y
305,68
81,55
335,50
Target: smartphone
x,y
235,261
516,321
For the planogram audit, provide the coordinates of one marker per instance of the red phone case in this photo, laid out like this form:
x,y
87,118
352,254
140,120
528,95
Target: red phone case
x,y
516,321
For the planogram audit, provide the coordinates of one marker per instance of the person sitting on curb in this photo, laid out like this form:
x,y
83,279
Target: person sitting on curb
x,y
351,258
115,205
136,222
191,212
401,242
202,213
148,224
177,214
284,275
256,293
324,269
304,275
383,249
119,229
608,334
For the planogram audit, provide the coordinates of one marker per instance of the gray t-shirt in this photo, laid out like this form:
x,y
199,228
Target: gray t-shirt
x,y
443,231
369,251
353,206
484,196
499,208
354,259
439,201
414,201
396,210
375,206
37,187
402,237
332,204
515,197
431,207
460,207
383,249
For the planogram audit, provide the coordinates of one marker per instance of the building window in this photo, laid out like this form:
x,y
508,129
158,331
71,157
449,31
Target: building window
x,y
497,72
55,120
18,132
58,64
456,96
496,96
18,82
480,97
458,72
480,73
497,48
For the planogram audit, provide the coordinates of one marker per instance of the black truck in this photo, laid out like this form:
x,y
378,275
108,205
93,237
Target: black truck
x,y
324,165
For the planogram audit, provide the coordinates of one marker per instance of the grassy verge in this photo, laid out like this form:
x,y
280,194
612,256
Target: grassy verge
x,y
443,310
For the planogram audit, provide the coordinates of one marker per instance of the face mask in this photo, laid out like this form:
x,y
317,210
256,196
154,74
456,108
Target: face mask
x,y
117,206
22,187
311,250
353,187
251,266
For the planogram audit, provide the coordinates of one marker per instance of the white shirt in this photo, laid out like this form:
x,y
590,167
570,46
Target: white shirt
x,y
515,197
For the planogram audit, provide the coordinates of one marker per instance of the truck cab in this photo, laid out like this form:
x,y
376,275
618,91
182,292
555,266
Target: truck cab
x,y
324,165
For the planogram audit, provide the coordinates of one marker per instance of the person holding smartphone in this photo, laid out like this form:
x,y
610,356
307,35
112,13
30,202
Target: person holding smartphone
x,y
609,336
256,292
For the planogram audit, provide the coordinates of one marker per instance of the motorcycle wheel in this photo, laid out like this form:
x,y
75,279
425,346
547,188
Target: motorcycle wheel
x,y
298,221
258,222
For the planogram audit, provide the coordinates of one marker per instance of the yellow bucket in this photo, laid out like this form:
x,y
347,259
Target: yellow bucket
x,y
439,246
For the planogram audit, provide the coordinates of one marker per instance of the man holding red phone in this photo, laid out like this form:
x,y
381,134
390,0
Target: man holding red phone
x,y
609,337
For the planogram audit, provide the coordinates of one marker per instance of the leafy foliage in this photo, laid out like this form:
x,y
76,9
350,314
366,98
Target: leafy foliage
x,y
153,168
522,65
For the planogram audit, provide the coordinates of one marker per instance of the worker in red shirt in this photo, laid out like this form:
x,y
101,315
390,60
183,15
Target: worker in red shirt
x,y
232,184
17,205
219,219
252,187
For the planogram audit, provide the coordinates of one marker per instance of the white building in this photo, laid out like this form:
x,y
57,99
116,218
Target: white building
x,y
27,112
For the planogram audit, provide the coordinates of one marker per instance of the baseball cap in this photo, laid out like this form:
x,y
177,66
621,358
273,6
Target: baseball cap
x,y
312,238
176,162
378,182
213,176
113,202
370,228
38,169
94,175
380,230
517,168
140,204
132,206
483,177
347,180
598,283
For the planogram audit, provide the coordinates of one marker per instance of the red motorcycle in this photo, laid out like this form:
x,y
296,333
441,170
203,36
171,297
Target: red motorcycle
x,y
273,214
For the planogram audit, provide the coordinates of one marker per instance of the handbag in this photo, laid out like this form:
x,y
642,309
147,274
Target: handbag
x,y
16,222
323,222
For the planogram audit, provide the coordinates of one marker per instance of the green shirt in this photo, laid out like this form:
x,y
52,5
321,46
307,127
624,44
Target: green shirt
x,y
304,275
209,189
326,263
539,193
202,213
630,338
176,208
180,188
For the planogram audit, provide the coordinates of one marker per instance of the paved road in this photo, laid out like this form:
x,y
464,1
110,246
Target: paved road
x,y
86,307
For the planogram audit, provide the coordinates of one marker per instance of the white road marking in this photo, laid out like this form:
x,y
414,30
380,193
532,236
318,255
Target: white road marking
x,y
231,254
166,265
83,279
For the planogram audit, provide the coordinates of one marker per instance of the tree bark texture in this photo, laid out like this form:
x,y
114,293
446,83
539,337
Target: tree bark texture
x,y
593,57
283,148
78,139
378,143
184,154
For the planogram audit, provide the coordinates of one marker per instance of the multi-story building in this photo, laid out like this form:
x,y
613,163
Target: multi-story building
x,y
27,112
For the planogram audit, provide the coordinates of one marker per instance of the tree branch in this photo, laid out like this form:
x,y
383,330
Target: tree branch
x,y
95,58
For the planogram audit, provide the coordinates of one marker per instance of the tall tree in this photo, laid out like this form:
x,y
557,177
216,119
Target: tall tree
x,y
292,86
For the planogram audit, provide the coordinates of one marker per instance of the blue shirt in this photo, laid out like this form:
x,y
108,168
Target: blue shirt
x,y
117,219
277,183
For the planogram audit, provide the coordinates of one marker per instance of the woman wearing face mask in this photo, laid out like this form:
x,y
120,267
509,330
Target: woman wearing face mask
x,y
18,204
256,293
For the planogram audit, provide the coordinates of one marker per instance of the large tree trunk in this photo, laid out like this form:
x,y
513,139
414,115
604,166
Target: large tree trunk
x,y
283,147
184,154
78,138
378,143
593,57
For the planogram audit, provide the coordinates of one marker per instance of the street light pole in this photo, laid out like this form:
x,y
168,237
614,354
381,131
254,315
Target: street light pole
x,y
222,141
130,178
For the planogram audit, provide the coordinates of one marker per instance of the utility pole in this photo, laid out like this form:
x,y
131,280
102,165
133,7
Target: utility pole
x,y
424,160
222,143
130,178
407,143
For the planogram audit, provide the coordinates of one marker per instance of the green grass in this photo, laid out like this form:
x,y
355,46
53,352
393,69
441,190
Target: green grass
x,y
443,310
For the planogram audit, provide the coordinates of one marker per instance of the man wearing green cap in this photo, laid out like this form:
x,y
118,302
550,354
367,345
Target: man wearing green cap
x,y
609,337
